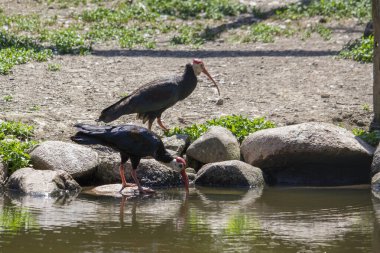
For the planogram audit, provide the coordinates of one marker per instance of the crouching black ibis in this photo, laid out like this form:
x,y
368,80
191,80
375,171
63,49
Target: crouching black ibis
x,y
152,99
133,142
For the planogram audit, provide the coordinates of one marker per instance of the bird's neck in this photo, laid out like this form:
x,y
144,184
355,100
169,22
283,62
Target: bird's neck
x,y
188,82
162,155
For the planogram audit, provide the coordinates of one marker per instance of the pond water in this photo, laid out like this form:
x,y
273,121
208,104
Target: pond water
x,y
208,220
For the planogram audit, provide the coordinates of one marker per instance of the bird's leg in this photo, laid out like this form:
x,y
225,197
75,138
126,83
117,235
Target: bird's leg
x,y
123,181
135,162
133,173
161,125
150,123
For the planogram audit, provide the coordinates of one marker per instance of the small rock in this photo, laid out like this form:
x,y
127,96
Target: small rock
x,y
113,190
219,101
231,174
178,143
190,170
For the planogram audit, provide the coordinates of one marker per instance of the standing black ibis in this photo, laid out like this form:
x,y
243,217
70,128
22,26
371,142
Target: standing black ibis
x,y
152,99
133,142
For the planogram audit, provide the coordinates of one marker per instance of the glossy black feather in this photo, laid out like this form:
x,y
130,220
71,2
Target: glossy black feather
x,y
152,99
130,140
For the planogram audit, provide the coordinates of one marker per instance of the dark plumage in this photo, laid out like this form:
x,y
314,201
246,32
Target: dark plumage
x,y
152,99
133,142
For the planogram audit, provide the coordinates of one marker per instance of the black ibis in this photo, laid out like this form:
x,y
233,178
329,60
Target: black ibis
x,y
133,142
152,99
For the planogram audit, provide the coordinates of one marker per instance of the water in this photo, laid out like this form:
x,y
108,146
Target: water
x,y
209,220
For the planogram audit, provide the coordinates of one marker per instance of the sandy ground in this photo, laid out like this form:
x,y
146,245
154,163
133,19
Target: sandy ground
x,y
290,81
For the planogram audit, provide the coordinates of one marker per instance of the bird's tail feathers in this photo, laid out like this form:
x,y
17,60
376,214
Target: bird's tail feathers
x,y
85,139
115,111
92,129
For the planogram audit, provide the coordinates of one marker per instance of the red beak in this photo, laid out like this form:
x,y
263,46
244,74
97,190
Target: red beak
x,y
185,180
209,76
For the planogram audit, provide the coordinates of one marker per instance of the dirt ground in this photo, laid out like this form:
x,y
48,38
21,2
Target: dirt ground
x,y
289,81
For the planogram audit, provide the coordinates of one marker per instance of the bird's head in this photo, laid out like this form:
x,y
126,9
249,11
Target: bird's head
x,y
179,165
199,67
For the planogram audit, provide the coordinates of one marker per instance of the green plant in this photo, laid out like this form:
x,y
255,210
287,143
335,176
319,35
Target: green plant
x,y
35,108
266,33
8,98
366,107
18,50
239,125
359,50
327,8
54,67
67,41
15,141
371,138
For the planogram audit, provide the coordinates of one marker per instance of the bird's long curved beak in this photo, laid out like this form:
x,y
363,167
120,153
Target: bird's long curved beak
x,y
204,70
185,180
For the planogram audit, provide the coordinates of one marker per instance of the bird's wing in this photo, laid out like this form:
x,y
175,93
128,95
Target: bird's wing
x,y
153,96
134,140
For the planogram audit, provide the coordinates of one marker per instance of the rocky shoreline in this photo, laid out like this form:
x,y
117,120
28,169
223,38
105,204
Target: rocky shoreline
x,y
307,154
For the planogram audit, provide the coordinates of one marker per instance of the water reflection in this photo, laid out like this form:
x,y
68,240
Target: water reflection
x,y
207,220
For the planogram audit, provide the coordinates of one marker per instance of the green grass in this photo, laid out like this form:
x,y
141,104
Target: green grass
x,y
8,98
359,50
371,138
15,141
261,32
323,31
54,67
16,50
240,126
336,9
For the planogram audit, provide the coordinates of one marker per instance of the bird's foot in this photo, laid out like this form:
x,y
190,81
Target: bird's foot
x,y
146,190
126,185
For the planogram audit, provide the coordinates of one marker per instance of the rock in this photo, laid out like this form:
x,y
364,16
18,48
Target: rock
x,y
375,185
178,143
42,182
3,172
190,170
375,166
217,144
309,154
150,172
191,162
112,190
77,160
231,174
191,176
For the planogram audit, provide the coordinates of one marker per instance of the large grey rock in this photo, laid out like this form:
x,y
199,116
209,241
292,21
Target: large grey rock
x,y
216,145
309,154
42,182
177,143
231,174
375,166
375,185
150,172
79,161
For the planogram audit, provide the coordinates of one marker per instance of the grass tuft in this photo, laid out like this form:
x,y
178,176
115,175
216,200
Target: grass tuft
x,y
15,141
359,50
239,125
